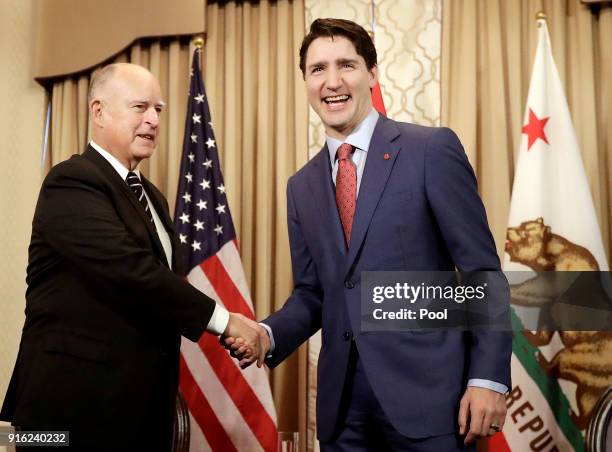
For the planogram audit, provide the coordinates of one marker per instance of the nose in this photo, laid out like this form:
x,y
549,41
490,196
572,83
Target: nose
x,y
152,117
333,80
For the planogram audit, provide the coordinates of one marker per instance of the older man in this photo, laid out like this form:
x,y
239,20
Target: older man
x,y
106,304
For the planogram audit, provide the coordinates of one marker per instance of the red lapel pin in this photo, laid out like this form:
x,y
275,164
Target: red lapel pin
x,y
386,156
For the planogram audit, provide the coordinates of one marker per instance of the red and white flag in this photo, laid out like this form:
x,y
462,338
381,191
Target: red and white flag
x,y
230,409
550,403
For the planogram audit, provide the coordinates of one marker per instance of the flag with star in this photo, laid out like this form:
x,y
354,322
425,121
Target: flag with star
x,y
554,389
230,409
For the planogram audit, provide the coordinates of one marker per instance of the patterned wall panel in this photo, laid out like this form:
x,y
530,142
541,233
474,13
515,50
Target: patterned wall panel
x,y
408,36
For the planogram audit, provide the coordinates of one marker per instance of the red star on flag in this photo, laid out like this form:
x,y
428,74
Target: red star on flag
x,y
535,129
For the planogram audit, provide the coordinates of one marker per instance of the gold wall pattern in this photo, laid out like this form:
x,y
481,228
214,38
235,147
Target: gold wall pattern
x,y
408,36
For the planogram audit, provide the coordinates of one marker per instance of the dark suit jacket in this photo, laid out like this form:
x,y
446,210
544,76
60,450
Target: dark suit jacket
x,y
99,351
418,209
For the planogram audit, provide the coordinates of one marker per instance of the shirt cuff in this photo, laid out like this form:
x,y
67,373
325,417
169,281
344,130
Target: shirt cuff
x,y
271,336
488,384
218,321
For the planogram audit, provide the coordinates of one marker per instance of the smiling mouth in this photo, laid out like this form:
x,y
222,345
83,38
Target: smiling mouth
x,y
146,136
336,100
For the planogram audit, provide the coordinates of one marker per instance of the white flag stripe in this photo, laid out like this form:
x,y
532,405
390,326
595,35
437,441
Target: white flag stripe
x,y
229,257
198,279
256,378
258,381
532,394
220,402
197,440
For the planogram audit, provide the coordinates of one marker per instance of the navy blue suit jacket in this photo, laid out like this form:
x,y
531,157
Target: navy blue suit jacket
x,y
418,209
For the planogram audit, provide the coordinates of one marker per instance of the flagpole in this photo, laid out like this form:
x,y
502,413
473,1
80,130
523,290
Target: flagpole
x,y
198,42
373,16
377,98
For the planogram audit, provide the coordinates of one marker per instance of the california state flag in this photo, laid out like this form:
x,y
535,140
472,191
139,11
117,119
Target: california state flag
x,y
557,377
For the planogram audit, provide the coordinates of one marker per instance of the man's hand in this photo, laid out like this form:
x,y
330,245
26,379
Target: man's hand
x,y
246,339
484,409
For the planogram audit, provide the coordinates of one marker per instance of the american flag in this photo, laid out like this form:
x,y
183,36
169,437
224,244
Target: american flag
x,y
230,409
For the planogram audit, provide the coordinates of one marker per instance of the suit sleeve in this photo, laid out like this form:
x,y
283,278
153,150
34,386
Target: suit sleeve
x,y
76,217
300,317
453,196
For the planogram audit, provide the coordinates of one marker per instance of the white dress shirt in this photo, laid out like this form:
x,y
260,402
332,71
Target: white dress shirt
x,y
360,139
220,317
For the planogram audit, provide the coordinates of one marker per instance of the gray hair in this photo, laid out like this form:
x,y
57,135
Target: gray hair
x,y
100,77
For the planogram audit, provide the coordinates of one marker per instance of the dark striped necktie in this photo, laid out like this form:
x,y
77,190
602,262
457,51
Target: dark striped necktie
x,y
134,183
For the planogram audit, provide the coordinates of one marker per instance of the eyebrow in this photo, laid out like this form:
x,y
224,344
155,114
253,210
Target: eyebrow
x,y
347,60
161,103
339,61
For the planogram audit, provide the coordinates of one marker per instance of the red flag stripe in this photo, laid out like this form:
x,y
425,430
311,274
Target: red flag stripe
x,y
197,440
378,101
245,399
257,378
218,398
247,402
215,434
225,288
498,443
230,259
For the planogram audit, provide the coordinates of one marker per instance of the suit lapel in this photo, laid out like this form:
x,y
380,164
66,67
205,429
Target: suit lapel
x,y
322,187
116,181
375,175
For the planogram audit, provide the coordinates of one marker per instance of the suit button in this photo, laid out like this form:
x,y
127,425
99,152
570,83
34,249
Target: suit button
x,y
346,335
349,284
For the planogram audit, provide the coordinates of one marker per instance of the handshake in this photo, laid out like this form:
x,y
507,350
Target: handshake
x,y
246,340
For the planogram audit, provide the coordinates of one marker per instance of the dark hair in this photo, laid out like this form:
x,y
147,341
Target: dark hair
x,y
328,28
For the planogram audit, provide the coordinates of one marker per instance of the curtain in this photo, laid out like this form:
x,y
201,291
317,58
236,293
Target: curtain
x,y
488,50
260,118
64,28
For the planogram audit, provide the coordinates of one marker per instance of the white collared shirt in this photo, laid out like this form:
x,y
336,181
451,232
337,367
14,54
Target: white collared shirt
x,y
220,317
164,238
360,139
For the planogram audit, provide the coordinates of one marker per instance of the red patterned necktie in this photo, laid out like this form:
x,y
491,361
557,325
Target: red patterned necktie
x,y
346,189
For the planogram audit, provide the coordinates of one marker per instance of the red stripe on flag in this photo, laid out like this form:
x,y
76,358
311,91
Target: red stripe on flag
x,y
240,392
498,443
202,412
377,100
224,287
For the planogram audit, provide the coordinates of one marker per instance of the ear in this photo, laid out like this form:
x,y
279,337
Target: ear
x,y
373,76
96,108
